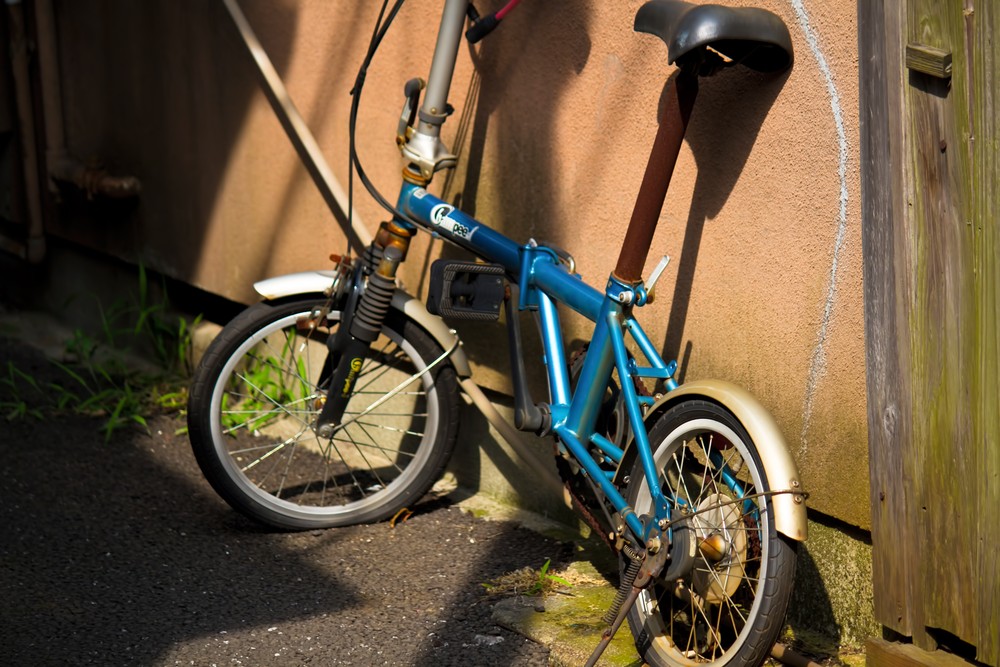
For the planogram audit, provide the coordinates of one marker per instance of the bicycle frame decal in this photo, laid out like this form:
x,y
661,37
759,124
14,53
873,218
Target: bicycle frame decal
x,y
442,219
421,205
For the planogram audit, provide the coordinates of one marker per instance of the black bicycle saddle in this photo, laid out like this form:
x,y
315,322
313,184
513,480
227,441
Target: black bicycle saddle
x,y
749,36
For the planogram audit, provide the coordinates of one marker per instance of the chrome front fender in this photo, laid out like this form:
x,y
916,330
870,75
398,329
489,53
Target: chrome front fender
x,y
782,474
315,282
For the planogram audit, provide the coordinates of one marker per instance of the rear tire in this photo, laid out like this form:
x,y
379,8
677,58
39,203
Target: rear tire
x,y
730,607
255,399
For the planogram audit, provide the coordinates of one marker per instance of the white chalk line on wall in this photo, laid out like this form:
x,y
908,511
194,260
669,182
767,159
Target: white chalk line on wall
x,y
817,365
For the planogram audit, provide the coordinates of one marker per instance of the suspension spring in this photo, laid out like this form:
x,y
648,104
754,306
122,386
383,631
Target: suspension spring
x,y
375,300
372,257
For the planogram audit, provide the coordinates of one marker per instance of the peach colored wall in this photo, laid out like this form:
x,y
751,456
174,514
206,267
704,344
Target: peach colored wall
x,y
554,116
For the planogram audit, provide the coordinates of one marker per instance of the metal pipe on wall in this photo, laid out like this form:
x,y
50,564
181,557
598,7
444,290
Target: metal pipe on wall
x,y
33,41
33,247
61,165
48,70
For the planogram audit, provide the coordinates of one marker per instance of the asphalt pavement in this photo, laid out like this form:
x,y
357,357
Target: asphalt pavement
x,y
119,553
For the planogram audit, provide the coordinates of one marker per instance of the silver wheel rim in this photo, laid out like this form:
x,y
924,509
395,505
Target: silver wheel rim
x,y
661,626
300,414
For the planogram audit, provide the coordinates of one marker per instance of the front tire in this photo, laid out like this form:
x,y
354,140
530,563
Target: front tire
x,y
730,606
255,399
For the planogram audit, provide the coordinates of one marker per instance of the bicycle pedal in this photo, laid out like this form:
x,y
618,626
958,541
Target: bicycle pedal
x,y
466,290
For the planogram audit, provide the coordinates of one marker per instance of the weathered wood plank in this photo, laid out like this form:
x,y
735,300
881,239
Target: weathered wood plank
x,y
880,653
983,50
887,379
928,60
942,323
943,471
932,287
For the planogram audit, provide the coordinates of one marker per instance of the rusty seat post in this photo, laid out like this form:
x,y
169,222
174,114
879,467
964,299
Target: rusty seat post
x,y
656,179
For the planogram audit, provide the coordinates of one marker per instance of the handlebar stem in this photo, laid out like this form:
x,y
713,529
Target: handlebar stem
x,y
423,148
432,112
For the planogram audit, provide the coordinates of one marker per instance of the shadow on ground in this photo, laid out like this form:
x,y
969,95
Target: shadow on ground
x,y
118,553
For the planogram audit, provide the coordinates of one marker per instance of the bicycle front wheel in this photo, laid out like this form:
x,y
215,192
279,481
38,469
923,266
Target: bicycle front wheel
x,y
257,394
730,605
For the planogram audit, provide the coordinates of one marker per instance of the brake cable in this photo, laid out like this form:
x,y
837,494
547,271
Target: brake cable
x,y
354,162
481,26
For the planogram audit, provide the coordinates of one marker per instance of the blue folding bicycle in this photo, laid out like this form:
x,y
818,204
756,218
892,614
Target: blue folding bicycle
x,y
335,401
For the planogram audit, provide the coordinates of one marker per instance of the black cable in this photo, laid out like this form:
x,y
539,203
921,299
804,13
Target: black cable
x,y
378,34
350,152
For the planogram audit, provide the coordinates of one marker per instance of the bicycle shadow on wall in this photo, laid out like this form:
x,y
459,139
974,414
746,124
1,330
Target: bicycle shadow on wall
x,y
721,141
517,100
504,138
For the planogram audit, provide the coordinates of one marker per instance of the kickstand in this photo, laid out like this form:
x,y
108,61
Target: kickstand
x,y
609,634
650,569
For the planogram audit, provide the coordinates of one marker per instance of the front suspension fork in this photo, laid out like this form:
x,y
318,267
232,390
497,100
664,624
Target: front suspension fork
x,y
361,322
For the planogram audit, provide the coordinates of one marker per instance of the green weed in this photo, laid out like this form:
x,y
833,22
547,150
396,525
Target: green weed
x,y
15,406
270,384
526,581
94,381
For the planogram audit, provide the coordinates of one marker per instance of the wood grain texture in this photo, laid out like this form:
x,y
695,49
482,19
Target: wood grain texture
x,y
928,60
932,319
942,324
983,51
886,344
881,653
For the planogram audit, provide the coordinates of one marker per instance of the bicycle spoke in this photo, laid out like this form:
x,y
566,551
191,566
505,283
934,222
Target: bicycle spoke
x,y
250,411
326,476
390,460
371,359
390,428
708,623
276,355
248,450
365,458
281,408
731,606
386,369
389,414
681,479
276,449
692,637
385,452
350,470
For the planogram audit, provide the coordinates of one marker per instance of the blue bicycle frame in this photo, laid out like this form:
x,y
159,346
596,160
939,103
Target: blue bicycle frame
x,y
544,282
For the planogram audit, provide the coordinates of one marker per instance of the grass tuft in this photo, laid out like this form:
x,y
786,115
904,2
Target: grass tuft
x,y
527,581
93,380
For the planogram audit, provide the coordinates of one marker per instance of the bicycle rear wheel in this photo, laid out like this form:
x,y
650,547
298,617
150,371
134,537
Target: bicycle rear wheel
x,y
730,605
255,399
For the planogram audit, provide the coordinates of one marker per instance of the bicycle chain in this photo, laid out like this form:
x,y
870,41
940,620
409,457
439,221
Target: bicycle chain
x,y
565,472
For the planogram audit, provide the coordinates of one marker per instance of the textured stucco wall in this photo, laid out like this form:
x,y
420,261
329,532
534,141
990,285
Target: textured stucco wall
x,y
554,116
